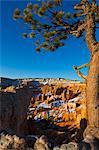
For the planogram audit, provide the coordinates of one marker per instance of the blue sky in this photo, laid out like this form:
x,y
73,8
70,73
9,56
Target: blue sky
x,y
19,58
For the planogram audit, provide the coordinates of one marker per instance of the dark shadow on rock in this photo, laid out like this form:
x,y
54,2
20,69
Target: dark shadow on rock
x,y
84,146
83,125
56,135
96,144
89,146
75,95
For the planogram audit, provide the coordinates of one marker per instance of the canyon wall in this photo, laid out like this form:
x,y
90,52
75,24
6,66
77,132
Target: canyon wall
x,y
16,98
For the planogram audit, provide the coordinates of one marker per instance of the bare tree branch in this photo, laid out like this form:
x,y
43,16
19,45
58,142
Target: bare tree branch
x,y
83,65
81,75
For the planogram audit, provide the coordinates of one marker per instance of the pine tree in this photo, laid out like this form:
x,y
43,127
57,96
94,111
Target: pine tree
x,y
47,19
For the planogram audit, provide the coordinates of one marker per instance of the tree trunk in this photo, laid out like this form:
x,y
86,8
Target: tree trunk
x,y
93,97
93,91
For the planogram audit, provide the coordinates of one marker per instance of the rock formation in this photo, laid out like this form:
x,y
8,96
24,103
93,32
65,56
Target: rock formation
x,y
11,142
41,143
17,95
14,106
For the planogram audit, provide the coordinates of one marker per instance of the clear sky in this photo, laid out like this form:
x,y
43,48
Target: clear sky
x,y
19,58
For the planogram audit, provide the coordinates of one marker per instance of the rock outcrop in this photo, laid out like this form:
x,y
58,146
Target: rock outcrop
x,y
42,143
15,97
13,110
11,142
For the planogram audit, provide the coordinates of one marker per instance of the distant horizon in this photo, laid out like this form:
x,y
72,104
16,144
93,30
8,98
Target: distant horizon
x,y
41,78
54,76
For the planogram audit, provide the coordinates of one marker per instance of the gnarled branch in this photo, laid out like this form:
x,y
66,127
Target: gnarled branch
x,y
83,65
77,69
78,32
84,5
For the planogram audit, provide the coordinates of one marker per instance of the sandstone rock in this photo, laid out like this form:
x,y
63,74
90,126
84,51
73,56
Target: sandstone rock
x,y
41,143
69,146
11,142
13,111
91,138
63,147
56,148
91,133
14,103
5,82
72,146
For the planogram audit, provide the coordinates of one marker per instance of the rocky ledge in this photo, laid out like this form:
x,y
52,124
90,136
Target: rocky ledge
x,y
13,142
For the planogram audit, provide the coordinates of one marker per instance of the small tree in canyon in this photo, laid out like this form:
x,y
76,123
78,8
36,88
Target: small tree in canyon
x,y
48,20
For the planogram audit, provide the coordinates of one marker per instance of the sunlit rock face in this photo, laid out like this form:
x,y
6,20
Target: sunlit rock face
x,y
62,102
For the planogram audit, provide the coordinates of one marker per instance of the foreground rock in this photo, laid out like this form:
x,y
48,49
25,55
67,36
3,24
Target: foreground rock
x,y
14,142
69,146
11,142
42,144
31,142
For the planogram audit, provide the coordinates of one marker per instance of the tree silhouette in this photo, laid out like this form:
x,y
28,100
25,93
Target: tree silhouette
x,y
51,25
